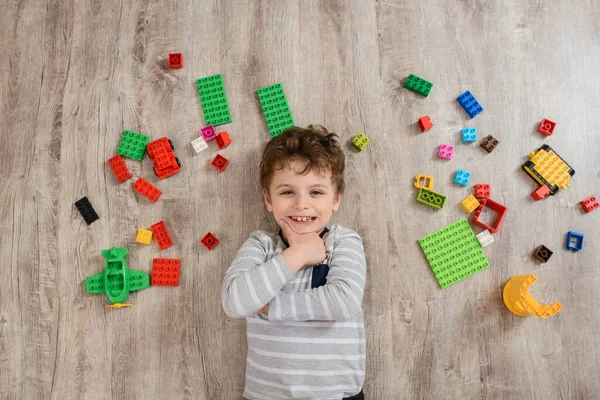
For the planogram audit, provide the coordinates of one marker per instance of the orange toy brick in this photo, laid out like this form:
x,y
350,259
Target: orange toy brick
x,y
210,241
522,303
119,168
165,272
425,123
147,189
223,140
162,235
541,192
220,162
175,60
589,204
165,162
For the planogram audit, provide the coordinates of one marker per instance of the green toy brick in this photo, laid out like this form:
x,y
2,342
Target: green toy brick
x,y
133,145
454,253
360,141
214,100
431,198
275,108
418,85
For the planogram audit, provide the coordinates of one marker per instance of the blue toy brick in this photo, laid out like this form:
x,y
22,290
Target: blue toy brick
x,y
574,241
469,135
469,104
462,177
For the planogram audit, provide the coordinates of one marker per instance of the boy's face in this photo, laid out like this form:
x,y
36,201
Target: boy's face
x,y
292,194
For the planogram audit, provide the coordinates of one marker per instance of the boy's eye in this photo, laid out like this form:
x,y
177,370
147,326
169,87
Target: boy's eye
x,y
286,192
317,192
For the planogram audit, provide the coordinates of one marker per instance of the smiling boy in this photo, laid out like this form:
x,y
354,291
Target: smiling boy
x,y
301,290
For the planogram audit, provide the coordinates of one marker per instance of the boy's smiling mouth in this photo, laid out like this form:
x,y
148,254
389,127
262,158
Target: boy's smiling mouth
x,y
301,219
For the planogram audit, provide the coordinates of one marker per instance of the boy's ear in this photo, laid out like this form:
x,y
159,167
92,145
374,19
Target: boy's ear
x,y
267,200
336,204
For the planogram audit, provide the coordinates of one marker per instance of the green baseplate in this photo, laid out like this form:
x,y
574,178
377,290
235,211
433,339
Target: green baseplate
x,y
276,109
133,145
214,100
454,253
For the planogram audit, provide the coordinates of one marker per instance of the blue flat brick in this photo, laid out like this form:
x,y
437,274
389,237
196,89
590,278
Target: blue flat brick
x,y
469,135
469,104
462,177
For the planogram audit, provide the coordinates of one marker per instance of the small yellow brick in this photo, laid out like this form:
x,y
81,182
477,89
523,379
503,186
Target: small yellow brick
x,y
424,181
470,204
144,236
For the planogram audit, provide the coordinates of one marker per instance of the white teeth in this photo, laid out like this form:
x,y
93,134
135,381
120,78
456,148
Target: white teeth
x,y
302,219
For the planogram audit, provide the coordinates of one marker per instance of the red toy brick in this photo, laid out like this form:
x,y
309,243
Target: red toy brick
x,y
162,235
119,168
210,241
165,272
492,205
482,190
147,189
165,162
589,204
223,140
175,60
540,192
546,127
220,162
425,123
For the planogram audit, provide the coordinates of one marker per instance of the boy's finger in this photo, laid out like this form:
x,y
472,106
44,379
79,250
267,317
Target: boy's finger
x,y
286,227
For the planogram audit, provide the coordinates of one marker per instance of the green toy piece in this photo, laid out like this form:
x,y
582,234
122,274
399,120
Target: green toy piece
x,y
418,85
454,253
133,145
214,100
360,141
431,198
117,280
276,109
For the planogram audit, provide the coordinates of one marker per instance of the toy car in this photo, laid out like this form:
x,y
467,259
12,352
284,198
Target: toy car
x,y
165,162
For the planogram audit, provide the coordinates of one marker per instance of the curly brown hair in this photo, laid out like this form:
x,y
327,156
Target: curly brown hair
x,y
315,145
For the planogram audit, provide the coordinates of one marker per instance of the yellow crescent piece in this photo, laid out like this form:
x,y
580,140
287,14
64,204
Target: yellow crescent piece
x,y
520,302
118,305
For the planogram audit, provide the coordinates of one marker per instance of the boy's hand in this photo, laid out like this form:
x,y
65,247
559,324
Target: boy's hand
x,y
306,249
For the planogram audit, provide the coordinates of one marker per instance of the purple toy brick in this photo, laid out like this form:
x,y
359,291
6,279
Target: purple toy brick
x,y
208,133
446,151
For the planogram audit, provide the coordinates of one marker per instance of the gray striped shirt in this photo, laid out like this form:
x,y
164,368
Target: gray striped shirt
x,y
311,345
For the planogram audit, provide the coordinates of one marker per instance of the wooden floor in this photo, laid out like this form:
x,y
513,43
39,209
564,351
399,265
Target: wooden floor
x,y
74,75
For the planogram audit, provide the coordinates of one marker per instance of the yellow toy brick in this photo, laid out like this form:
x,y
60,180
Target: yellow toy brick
x,y
360,141
548,168
424,181
144,236
470,204
520,302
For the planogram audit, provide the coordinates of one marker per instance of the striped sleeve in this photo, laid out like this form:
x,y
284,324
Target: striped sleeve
x,y
340,299
252,281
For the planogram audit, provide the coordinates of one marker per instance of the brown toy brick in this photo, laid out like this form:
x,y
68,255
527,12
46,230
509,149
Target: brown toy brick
x,y
489,143
542,254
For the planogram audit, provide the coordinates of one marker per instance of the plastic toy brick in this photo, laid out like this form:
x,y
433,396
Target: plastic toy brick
x,y
162,235
520,302
147,189
86,210
469,135
546,127
431,198
574,241
175,60
489,143
165,272
199,144
500,210
133,145
418,85
360,141
165,162
424,181
144,236
589,204
446,151
223,140
220,162
542,254
210,241
453,253
469,104
548,168
462,177
485,238
482,190
469,204
540,193
214,100
117,280
117,164
275,108
208,133
425,123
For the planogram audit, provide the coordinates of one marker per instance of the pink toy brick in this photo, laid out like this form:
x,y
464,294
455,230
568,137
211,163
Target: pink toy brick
x,y
446,151
208,133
